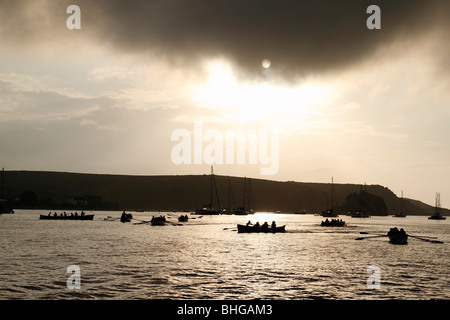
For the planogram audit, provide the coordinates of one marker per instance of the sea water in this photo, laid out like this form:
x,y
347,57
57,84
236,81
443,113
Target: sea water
x,y
205,258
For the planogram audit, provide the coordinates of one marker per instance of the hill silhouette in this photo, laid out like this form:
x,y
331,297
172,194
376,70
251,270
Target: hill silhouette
x,y
60,190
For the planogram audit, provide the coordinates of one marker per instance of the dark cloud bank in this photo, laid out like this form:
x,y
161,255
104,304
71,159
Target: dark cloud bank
x,y
299,37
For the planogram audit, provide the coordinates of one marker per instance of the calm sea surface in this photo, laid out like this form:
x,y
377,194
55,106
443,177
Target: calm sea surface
x,y
206,258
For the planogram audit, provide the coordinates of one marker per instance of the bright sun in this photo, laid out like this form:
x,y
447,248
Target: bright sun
x,y
257,102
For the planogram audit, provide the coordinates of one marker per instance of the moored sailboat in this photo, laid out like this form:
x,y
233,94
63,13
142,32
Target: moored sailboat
x,y
244,210
208,209
401,214
362,206
330,212
437,214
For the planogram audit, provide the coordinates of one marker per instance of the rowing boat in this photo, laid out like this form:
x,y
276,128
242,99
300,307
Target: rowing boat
x,y
333,223
398,239
59,217
158,221
126,217
397,236
255,229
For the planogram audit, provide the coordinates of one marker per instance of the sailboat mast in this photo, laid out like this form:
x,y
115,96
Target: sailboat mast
x,y
211,190
3,174
360,199
217,194
438,202
229,193
332,195
249,193
245,192
402,204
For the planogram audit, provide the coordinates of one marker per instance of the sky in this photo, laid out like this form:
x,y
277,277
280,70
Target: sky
x,y
168,87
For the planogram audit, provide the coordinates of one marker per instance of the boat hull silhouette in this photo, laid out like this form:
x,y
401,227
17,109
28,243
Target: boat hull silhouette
x,y
398,239
158,221
397,236
6,210
333,223
126,217
52,217
255,229
436,217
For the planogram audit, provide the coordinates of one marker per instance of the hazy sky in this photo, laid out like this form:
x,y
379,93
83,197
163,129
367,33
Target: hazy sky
x,y
359,105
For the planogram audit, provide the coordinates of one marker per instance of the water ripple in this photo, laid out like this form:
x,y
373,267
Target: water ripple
x,y
201,260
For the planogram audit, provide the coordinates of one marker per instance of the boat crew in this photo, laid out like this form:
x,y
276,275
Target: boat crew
x,y
274,225
393,231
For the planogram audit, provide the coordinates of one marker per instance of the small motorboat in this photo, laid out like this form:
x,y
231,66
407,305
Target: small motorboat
x,y
360,214
207,211
329,213
399,215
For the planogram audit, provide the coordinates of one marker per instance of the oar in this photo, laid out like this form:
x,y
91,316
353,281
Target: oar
x,y
378,236
432,241
174,224
363,232
424,237
172,214
142,221
110,219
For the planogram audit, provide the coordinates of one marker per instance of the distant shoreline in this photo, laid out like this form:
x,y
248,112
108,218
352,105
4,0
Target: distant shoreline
x,y
41,190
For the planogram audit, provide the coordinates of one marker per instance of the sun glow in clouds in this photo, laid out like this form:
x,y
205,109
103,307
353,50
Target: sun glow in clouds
x,y
244,102
266,63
